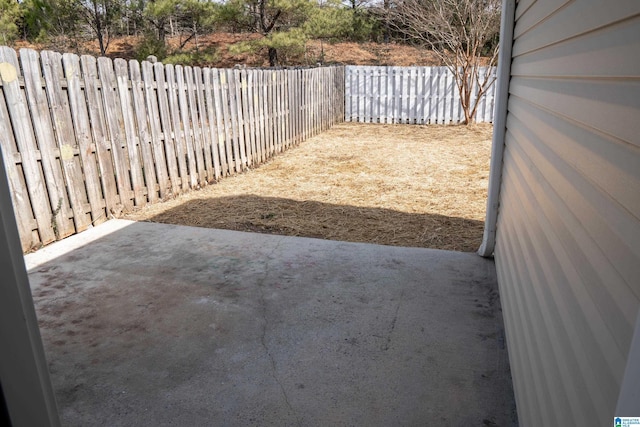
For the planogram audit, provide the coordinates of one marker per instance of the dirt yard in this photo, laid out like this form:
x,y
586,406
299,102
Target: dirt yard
x,y
401,185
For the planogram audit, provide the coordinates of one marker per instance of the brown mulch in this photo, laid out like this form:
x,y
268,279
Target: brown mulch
x,y
401,185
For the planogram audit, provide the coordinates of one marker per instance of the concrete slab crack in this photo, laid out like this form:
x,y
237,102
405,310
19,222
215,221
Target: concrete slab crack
x,y
387,345
263,337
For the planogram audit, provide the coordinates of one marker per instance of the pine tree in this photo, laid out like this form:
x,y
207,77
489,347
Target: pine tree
x,y
10,14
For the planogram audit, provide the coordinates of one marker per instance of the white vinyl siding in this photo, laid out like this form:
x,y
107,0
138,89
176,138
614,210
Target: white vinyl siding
x,y
568,233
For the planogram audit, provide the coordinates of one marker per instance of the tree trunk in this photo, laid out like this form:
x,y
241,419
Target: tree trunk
x,y
386,33
465,89
103,48
273,57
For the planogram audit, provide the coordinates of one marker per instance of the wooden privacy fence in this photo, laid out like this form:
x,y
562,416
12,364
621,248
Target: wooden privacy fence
x,y
83,138
416,95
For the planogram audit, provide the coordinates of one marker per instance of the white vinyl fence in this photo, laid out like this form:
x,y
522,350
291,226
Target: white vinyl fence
x,y
415,95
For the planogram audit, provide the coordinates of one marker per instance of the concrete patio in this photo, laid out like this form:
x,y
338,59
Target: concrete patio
x,y
153,324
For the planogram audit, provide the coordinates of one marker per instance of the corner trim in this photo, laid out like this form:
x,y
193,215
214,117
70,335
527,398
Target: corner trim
x,y
499,127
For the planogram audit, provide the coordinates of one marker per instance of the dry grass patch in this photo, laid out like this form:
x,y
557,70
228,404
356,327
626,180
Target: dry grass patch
x,y
401,185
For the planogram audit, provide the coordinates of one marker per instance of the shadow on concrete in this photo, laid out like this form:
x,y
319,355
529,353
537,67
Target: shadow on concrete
x,y
156,324
327,221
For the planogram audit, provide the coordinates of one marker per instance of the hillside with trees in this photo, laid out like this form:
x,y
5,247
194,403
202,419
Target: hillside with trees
x,y
459,34
182,30
252,32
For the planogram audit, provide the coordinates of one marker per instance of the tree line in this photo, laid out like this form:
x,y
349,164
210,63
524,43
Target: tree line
x,y
462,33
285,25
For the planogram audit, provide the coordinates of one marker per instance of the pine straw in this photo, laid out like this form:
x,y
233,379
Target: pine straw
x,y
401,185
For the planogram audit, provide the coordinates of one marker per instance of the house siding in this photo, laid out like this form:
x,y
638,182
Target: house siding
x,y
568,232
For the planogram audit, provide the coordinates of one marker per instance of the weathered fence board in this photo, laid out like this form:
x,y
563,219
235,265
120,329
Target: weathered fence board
x,y
220,123
416,95
82,129
150,110
279,116
176,124
65,138
186,124
98,131
20,122
43,130
226,120
204,125
196,137
230,126
266,108
291,99
143,134
261,112
250,102
27,226
86,138
212,132
130,140
112,113
243,111
235,82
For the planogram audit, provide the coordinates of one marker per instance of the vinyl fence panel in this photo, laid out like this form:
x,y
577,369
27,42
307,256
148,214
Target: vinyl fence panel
x,y
413,95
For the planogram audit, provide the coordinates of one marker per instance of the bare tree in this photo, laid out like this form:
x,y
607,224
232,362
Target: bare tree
x,y
101,16
462,33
